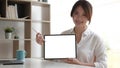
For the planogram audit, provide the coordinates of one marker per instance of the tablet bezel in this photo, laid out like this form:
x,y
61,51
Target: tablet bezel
x,y
58,35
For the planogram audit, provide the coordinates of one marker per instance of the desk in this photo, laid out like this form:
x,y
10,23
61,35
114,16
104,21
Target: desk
x,y
37,63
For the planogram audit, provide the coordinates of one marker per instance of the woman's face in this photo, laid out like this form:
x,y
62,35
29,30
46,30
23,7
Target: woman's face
x,y
79,17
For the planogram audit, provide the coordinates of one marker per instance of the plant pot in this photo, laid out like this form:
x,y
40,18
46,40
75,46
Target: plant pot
x,y
8,35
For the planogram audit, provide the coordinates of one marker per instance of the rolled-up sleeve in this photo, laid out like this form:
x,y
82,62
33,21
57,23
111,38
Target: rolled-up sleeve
x,y
100,53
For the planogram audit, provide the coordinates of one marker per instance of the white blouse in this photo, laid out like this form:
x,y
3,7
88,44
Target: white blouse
x,y
90,47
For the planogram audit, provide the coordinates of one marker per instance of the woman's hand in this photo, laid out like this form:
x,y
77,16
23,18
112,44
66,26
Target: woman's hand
x,y
72,61
76,61
39,39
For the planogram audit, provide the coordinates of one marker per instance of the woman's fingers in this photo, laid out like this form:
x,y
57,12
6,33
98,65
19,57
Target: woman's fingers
x,y
39,38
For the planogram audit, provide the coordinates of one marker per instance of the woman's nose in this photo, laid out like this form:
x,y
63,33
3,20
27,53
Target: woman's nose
x,y
79,18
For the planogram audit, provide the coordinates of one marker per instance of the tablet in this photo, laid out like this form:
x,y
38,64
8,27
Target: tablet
x,y
59,46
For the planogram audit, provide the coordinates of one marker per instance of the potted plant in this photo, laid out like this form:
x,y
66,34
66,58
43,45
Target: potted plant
x,y
8,32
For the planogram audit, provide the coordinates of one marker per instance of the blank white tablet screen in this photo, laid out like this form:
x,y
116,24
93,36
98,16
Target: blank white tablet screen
x,y
59,46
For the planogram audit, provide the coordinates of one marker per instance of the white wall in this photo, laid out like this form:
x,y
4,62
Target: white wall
x,y
60,15
105,21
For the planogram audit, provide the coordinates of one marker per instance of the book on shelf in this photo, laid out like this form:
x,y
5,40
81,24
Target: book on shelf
x,y
12,12
16,12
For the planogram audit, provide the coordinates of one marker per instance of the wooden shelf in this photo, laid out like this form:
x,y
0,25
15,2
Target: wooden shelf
x,y
15,39
32,2
43,4
43,21
37,15
7,19
22,20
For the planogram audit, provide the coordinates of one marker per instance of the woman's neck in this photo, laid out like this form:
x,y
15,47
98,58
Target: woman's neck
x,y
79,30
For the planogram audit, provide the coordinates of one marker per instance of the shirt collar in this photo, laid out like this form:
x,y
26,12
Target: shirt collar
x,y
85,33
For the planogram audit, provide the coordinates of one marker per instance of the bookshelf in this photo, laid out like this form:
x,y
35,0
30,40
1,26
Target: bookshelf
x,y
32,14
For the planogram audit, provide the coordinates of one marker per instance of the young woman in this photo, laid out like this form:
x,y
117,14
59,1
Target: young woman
x,y
90,47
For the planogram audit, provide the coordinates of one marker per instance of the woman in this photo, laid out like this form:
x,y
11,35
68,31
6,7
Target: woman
x,y
90,48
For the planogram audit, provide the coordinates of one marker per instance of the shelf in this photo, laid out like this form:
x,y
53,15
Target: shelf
x,y
7,19
43,21
44,4
32,14
19,1
16,39
22,20
32,2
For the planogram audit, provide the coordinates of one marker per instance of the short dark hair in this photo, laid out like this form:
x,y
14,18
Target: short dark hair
x,y
87,7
